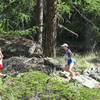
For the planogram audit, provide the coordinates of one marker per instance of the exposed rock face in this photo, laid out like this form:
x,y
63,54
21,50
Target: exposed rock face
x,y
93,72
17,51
15,65
90,77
53,63
88,81
18,46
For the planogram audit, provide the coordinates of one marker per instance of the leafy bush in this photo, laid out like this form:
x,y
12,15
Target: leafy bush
x,y
37,84
31,32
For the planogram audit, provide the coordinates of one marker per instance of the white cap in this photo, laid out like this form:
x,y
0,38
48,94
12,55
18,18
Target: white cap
x,y
65,45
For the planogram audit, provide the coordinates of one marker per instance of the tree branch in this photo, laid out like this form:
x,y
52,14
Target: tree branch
x,y
61,26
84,17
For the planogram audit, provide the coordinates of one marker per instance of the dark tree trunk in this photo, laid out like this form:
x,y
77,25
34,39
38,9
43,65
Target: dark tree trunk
x,y
50,29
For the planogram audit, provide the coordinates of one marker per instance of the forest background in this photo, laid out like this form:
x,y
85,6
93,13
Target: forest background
x,y
51,23
77,22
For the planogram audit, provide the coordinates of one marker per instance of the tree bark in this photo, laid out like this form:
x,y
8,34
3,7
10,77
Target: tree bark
x,y
50,30
40,19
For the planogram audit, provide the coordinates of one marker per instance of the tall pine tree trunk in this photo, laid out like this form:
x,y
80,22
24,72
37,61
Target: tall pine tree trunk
x,y
40,19
50,30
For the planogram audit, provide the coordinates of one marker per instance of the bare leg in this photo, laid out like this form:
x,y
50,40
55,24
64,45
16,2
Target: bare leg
x,y
68,69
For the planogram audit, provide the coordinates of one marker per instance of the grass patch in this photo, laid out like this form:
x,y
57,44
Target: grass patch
x,y
82,61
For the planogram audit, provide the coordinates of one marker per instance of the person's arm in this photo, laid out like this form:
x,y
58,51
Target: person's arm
x,y
69,51
1,55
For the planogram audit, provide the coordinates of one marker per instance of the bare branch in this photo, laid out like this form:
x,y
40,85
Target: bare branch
x,y
84,17
61,26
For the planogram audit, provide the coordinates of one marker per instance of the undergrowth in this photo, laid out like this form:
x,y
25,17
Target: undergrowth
x,y
37,84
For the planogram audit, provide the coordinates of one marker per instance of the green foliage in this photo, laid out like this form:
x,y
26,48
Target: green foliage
x,y
92,6
16,15
63,8
84,20
31,32
23,19
19,17
30,84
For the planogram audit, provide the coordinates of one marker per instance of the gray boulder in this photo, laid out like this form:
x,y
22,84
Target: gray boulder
x,y
53,63
88,81
93,72
18,46
96,76
16,65
90,70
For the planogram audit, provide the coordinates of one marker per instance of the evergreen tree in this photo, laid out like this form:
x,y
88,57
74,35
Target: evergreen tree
x,y
50,30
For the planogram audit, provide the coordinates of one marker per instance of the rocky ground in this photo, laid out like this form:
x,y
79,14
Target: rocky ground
x,y
23,55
